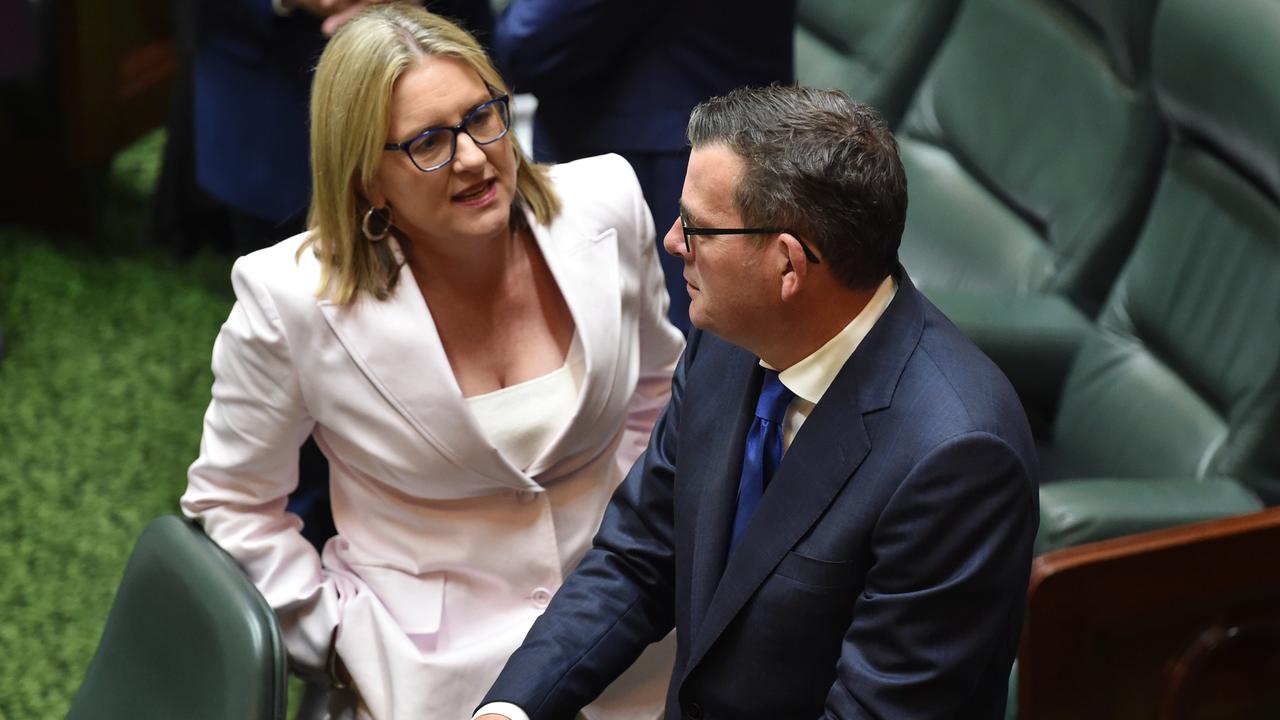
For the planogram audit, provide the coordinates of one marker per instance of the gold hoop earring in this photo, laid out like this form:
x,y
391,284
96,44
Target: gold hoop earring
x,y
384,215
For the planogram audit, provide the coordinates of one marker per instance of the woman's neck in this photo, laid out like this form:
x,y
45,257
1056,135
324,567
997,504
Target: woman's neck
x,y
467,273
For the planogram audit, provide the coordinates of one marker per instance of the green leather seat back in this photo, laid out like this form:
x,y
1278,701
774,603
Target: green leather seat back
x,y
187,637
1183,375
1031,149
874,50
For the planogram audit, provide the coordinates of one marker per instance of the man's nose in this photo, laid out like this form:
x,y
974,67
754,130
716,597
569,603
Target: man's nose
x,y
673,241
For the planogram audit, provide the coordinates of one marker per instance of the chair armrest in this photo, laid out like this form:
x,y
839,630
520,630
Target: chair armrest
x,y
1033,338
1073,512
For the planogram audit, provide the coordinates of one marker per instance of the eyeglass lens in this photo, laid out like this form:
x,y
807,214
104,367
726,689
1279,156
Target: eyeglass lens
x,y
485,124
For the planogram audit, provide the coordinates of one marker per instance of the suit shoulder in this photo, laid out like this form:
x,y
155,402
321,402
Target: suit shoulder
x,y
603,178
600,193
966,391
287,273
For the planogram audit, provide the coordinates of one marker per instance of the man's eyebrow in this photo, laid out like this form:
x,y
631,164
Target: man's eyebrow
x,y
688,216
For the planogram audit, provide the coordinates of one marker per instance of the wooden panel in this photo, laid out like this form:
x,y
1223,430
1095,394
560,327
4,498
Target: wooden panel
x,y
1178,623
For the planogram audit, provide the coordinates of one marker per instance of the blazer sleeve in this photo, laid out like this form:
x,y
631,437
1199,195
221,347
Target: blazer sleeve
x,y
621,597
952,556
659,341
248,464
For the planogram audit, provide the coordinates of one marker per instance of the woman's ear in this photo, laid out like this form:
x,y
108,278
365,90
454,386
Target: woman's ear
x,y
796,271
373,192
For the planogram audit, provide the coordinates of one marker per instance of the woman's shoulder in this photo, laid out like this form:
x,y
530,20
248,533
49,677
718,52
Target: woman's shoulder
x,y
288,271
602,175
602,188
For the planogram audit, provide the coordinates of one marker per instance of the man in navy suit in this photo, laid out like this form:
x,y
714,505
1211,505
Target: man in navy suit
x,y
878,567
620,76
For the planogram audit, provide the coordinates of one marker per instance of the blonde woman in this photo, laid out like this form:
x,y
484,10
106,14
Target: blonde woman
x,y
479,346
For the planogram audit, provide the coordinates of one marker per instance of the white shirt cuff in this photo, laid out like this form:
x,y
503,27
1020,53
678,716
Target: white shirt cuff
x,y
502,708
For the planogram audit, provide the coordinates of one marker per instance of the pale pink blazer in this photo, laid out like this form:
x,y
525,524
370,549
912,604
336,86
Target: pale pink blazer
x,y
446,553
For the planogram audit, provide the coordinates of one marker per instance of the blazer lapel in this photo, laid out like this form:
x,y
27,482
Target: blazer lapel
x,y
585,267
715,471
395,344
821,461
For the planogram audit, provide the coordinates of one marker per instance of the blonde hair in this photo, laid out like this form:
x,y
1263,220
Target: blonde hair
x,y
350,97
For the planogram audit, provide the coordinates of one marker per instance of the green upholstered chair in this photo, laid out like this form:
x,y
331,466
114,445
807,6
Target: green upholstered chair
x,y
1171,411
1031,150
874,50
187,637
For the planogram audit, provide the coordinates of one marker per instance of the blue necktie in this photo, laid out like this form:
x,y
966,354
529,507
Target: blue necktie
x,y
763,451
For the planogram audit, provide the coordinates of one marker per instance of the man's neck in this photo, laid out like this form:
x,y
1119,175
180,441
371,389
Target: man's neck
x,y
809,325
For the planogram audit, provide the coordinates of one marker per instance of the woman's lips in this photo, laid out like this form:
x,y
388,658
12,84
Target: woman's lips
x,y
478,194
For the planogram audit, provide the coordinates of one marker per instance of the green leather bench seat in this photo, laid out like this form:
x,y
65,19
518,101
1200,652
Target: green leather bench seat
x,y
1175,399
1031,151
875,51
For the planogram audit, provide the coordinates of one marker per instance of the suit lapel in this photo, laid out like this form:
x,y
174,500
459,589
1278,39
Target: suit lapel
x,y
715,473
585,267
821,461
395,344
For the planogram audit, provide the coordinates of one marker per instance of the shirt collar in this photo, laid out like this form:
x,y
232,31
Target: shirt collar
x,y
811,377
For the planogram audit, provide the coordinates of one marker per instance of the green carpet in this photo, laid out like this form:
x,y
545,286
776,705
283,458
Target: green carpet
x,y
102,390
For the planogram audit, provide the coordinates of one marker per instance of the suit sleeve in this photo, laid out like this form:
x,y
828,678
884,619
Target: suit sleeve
x,y
952,554
621,597
659,341
248,464
548,45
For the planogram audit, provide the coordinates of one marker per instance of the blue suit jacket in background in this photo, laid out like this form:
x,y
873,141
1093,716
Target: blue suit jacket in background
x,y
621,75
252,87
883,575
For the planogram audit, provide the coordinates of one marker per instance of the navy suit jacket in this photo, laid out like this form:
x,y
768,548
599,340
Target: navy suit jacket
x,y
883,576
622,76
252,91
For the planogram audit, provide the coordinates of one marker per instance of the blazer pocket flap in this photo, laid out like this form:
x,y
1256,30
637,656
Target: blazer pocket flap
x,y
816,571
415,601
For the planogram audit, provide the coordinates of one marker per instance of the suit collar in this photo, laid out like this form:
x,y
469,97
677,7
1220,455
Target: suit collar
x,y
395,344
821,461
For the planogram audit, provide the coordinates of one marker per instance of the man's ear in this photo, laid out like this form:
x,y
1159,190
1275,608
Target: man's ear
x,y
796,272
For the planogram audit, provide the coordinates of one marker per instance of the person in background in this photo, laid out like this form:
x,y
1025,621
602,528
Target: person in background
x,y
478,344
836,511
621,76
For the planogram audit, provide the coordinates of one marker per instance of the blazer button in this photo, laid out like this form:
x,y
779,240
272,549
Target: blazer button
x,y
526,496
541,597
693,711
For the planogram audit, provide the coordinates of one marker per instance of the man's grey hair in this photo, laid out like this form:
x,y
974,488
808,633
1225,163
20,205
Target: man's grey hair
x,y
819,164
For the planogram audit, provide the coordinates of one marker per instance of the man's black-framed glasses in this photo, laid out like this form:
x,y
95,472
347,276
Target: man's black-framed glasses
x,y
688,230
486,123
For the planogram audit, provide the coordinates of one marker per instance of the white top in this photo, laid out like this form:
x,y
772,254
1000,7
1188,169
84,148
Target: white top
x,y
522,420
